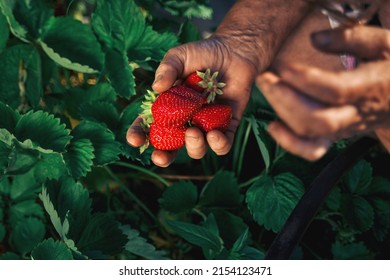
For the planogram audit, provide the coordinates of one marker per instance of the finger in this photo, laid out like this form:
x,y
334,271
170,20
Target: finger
x,y
362,41
195,143
135,135
337,87
170,68
220,142
309,149
163,158
296,109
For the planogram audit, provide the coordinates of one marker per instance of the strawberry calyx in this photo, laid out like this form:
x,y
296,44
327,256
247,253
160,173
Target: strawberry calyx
x,y
146,115
208,82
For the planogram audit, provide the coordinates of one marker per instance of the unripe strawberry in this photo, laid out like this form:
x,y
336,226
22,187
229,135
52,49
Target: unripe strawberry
x,y
213,116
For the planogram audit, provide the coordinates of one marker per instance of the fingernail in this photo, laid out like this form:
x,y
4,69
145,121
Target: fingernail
x,y
321,39
158,78
213,139
272,127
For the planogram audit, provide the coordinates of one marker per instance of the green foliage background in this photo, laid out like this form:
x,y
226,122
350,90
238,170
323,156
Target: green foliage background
x,y
73,76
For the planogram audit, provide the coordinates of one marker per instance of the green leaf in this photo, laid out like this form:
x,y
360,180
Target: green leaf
x,y
24,187
188,9
189,32
2,232
261,137
271,199
50,166
358,179
9,118
334,199
67,202
27,234
230,227
152,46
32,15
72,45
102,112
9,256
62,228
139,246
357,212
22,81
79,157
102,233
16,28
77,97
198,236
120,73
23,209
118,24
5,152
4,32
103,141
180,197
43,129
352,251
21,159
49,249
221,191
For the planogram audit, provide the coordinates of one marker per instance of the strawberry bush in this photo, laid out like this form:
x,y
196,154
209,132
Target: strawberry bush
x,y
74,75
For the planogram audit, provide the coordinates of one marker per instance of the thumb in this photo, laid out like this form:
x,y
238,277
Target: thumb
x,y
365,42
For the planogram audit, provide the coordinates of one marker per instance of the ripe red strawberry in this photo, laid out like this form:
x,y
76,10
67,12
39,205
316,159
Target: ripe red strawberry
x,y
176,106
166,138
213,116
206,83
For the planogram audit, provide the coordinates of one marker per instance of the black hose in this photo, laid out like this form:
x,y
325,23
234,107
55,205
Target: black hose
x,y
300,218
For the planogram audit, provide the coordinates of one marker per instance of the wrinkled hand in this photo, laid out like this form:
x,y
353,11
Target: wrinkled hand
x,y
235,70
317,107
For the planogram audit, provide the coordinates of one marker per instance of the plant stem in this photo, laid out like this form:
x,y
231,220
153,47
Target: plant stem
x,y
250,181
243,148
144,171
130,193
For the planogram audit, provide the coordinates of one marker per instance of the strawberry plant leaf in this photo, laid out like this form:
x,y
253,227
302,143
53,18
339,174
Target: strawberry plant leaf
x,y
79,157
103,141
101,233
120,73
5,151
188,9
359,177
199,236
62,228
24,187
70,202
2,232
139,246
31,16
180,197
230,227
271,199
189,32
50,166
9,118
77,97
22,81
69,43
334,199
261,137
44,130
24,209
152,46
357,212
221,191
26,234
101,112
16,28
352,251
118,24
4,31
21,159
50,249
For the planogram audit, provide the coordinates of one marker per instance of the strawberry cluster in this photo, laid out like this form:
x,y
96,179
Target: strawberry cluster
x,y
167,115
